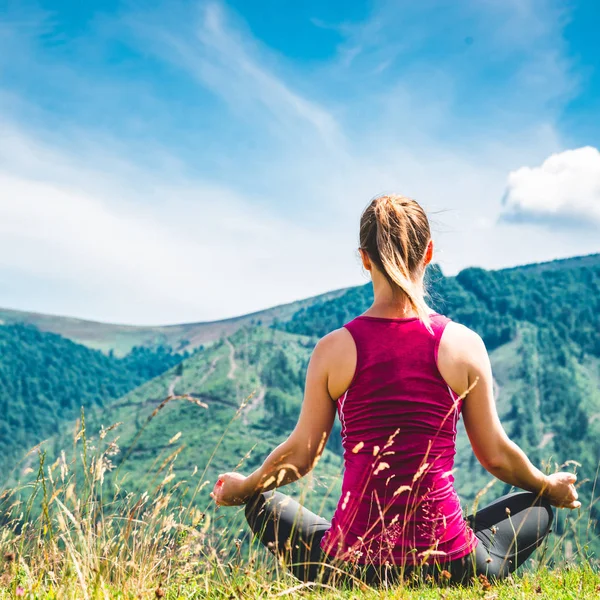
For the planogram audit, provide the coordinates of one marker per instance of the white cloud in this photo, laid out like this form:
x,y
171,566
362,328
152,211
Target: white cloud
x,y
564,189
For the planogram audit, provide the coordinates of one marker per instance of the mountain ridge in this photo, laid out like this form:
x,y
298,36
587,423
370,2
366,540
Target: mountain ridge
x,y
180,336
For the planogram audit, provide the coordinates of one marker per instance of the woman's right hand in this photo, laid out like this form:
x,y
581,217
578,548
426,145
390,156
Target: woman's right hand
x,y
560,490
230,490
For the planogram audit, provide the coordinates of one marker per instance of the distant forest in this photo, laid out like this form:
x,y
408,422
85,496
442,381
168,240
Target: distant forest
x,y
45,379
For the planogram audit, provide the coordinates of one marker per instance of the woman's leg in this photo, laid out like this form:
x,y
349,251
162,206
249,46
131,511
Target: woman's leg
x,y
509,530
290,530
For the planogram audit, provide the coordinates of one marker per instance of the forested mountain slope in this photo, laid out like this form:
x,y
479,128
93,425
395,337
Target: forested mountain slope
x,y
241,395
561,297
45,379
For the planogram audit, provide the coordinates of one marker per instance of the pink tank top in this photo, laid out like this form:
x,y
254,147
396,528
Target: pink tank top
x,y
398,418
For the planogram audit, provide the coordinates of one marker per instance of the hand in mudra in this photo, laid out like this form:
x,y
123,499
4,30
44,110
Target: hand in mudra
x,y
560,490
229,490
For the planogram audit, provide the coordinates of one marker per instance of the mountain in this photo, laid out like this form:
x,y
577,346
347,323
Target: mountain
x,y
121,339
540,322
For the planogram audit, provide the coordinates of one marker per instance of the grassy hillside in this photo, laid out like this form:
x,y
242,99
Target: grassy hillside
x,y
93,539
125,510
121,339
228,406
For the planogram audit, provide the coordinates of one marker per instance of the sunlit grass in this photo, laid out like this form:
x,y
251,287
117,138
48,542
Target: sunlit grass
x,y
73,531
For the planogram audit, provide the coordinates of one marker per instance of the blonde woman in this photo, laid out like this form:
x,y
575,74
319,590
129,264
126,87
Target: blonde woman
x,y
399,376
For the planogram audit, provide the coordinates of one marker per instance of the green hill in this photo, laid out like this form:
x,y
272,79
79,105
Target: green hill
x,y
242,394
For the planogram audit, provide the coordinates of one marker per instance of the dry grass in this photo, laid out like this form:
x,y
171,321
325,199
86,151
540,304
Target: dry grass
x,y
72,531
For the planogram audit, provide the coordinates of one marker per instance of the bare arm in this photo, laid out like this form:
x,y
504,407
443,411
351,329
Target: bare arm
x,y
298,455
495,451
491,445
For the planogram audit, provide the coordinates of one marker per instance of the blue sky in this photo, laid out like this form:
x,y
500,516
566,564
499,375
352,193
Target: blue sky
x,y
183,161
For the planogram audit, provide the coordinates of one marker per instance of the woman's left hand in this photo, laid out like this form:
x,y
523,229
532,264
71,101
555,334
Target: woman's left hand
x,y
230,490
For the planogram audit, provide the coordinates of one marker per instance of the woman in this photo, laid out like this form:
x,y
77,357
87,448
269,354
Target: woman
x,y
399,376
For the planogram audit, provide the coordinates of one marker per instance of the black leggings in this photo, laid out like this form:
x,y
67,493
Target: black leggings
x,y
509,530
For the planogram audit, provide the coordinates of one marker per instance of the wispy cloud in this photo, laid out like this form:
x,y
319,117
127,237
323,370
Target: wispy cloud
x,y
227,61
230,68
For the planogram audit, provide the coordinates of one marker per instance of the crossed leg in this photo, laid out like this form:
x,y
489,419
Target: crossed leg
x,y
508,532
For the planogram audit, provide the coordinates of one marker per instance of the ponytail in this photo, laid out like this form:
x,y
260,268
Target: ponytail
x,y
395,234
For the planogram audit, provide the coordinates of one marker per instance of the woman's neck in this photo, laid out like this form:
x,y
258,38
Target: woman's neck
x,y
396,310
389,303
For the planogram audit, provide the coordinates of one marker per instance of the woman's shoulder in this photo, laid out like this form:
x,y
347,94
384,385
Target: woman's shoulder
x,y
462,343
461,352
462,333
337,355
337,340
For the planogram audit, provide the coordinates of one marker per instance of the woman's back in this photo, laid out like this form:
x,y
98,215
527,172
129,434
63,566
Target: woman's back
x,y
398,421
397,398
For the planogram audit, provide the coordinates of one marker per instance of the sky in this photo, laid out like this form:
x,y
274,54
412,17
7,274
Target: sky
x,y
165,162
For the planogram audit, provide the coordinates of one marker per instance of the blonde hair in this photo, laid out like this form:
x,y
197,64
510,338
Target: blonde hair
x,y
395,233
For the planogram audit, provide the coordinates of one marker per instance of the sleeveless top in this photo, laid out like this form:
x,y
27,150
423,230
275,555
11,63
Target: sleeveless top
x,y
398,503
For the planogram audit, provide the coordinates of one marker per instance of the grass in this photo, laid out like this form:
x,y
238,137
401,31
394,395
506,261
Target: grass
x,y
73,531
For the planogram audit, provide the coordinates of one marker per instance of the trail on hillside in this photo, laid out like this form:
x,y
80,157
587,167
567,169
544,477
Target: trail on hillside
x,y
232,364
211,370
202,381
172,385
257,398
254,403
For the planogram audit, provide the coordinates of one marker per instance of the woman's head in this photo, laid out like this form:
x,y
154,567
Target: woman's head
x,y
395,239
